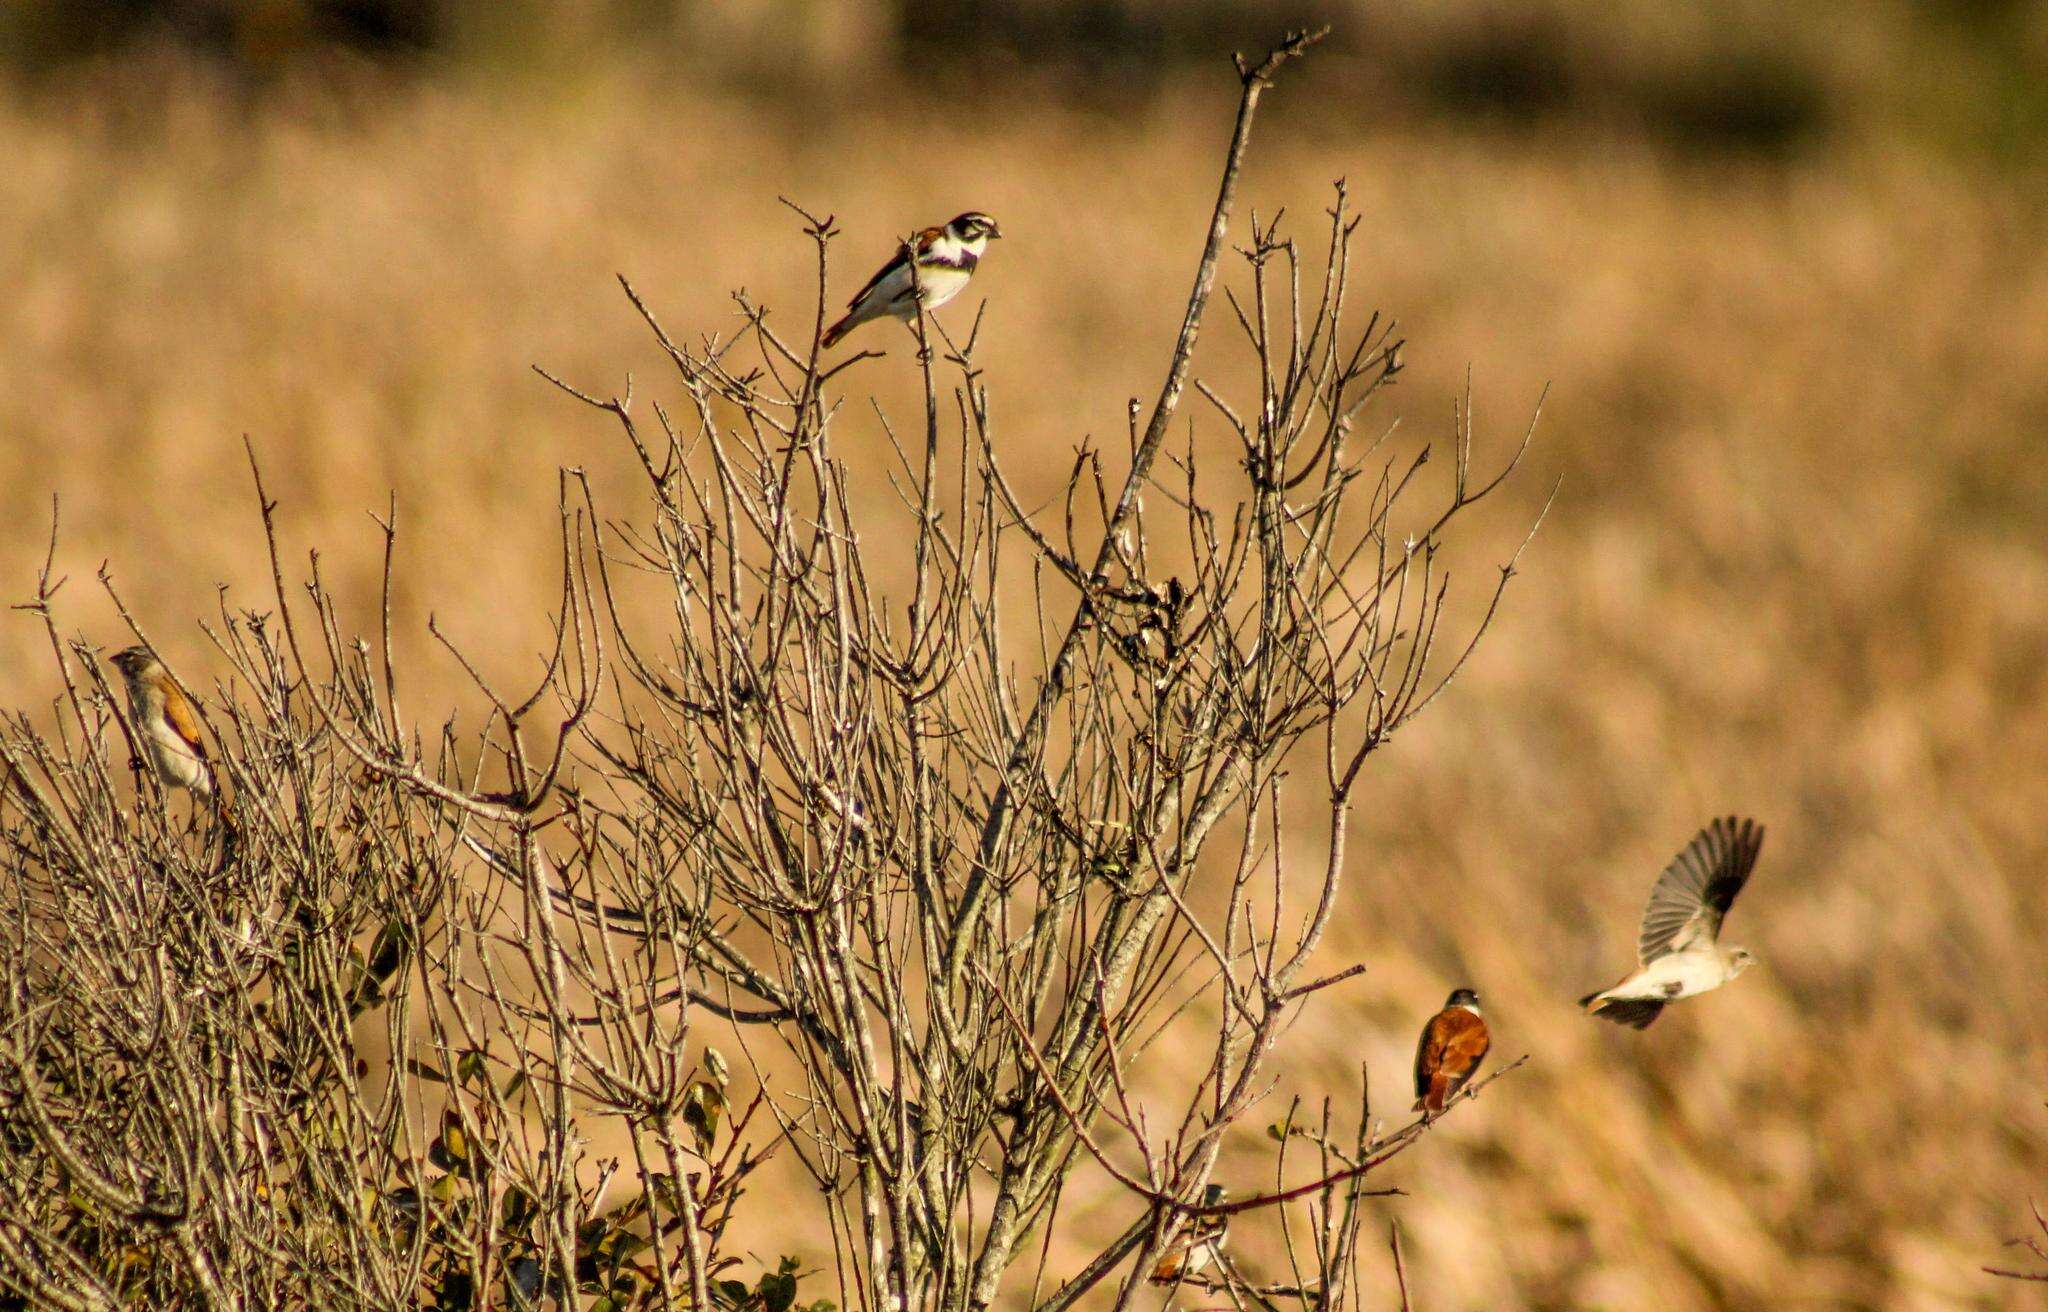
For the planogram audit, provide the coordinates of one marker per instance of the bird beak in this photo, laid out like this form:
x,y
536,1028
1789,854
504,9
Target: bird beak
x,y
994,233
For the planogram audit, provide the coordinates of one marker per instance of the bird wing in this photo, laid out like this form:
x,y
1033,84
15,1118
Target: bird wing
x,y
899,265
1465,1044
1697,888
1180,1258
1429,1054
178,713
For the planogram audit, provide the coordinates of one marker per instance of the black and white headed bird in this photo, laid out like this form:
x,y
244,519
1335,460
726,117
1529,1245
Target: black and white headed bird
x,y
944,260
1679,947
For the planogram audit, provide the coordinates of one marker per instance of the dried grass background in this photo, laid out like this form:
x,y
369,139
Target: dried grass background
x,y
1796,568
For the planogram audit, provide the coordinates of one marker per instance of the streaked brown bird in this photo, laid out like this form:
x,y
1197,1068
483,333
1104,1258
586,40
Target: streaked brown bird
x,y
1197,1246
1679,950
165,722
1453,1044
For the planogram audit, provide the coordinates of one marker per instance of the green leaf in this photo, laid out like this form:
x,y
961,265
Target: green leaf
x,y
523,1278
619,1245
404,1201
703,1105
387,951
517,1209
472,1068
663,1186
777,1291
450,1151
458,1291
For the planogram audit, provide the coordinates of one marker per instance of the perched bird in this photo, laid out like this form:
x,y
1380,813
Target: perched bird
x,y
1197,1246
1453,1044
165,721
1679,946
944,259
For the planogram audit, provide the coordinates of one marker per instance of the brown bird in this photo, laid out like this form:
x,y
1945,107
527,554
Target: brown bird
x,y
1453,1044
165,722
1199,1245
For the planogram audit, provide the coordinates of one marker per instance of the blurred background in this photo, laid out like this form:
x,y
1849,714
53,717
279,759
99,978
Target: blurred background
x,y
1782,266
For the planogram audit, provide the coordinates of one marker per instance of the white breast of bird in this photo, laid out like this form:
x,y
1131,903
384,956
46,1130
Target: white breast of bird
x,y
1678,975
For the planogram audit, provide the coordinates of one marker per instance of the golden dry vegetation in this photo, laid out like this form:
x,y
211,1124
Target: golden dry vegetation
x,y
1795,567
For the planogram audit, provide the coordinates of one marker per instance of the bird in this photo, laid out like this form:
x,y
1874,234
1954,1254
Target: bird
x,y
1679,947
944,260
1197,1246
1452,1046
165,721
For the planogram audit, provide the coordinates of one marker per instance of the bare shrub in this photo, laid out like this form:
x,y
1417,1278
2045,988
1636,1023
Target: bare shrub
x,y
2038,1247
349,1042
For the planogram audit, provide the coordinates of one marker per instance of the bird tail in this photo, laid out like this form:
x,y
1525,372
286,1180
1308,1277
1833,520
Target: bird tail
x,y
1636,1013
838,330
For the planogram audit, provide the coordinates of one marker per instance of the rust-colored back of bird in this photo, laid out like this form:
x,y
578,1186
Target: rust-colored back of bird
x,y
1453,1044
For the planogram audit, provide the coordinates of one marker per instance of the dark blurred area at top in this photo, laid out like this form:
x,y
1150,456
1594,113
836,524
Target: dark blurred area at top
x,y
1740,76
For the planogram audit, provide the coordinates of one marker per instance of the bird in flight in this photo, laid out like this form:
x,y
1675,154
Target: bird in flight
x,y
1679,946
1453,1044
933,266
168,727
